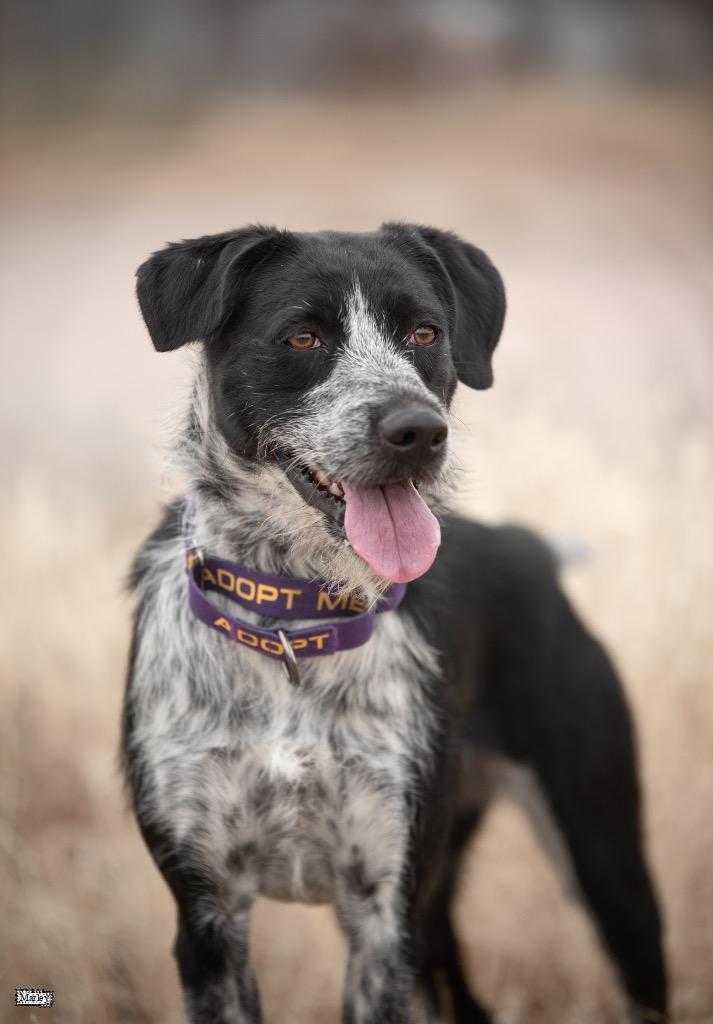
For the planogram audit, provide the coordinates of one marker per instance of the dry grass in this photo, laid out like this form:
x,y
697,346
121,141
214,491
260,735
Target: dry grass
x,y
595,205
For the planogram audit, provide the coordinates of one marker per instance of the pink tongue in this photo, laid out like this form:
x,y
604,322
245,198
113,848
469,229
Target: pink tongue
x,y
393,529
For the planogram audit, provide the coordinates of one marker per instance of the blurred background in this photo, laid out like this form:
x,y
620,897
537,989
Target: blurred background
x,y
572,140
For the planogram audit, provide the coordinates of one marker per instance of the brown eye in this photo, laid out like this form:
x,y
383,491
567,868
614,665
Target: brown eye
x,y
304,341
424,335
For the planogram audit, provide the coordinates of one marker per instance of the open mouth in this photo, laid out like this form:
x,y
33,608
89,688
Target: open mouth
x,y
390,526
318,489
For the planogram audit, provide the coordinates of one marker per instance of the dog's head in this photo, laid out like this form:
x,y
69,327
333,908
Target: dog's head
x,y
334,356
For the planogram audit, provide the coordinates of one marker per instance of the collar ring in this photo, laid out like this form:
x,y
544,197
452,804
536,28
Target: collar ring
x,y
290,662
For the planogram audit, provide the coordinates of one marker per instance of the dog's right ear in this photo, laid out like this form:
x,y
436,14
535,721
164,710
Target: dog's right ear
x,y
477,291
187,290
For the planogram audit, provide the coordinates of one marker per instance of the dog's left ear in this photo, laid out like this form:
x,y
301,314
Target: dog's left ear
x,y
477,295
187,290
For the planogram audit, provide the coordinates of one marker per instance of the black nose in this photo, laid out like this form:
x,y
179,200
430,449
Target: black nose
x,y
416,433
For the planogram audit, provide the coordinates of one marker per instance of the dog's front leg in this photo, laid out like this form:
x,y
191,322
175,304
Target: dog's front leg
x,y
379,986
218,982
212,949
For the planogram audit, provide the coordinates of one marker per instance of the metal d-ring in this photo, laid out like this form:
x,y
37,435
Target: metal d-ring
x,y
200,558
293,669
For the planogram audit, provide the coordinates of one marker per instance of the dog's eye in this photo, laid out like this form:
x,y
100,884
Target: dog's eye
x,y
424,335
303,341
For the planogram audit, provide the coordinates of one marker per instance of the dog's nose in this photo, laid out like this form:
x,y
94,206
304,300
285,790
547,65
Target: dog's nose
x,y
416,433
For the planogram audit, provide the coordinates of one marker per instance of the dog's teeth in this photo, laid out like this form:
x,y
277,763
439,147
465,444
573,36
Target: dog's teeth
x,y
324,482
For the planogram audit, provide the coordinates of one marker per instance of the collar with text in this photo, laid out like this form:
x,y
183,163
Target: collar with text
x,y
282,597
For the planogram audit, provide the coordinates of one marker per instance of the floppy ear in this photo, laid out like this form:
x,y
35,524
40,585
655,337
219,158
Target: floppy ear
x,y
185,290
478,297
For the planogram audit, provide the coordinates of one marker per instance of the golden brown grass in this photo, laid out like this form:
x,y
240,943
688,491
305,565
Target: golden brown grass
x,y
595,206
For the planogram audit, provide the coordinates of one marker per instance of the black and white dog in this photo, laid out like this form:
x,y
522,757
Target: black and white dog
x,y
354,771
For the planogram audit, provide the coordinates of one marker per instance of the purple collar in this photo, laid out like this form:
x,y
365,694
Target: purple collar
x,y
281,597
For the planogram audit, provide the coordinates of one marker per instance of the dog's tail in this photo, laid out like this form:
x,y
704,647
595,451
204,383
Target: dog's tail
x,y
570,550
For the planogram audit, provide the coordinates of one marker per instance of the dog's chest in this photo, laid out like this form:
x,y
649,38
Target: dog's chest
x,y
296,792
307,798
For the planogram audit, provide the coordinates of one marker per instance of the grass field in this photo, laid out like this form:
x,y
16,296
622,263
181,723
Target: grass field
x,y
596,207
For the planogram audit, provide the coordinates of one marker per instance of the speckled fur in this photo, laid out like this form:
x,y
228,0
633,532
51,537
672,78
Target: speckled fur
x,y
297,794
372,373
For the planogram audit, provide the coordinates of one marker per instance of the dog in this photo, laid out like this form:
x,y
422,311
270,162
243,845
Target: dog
x,y
330,674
